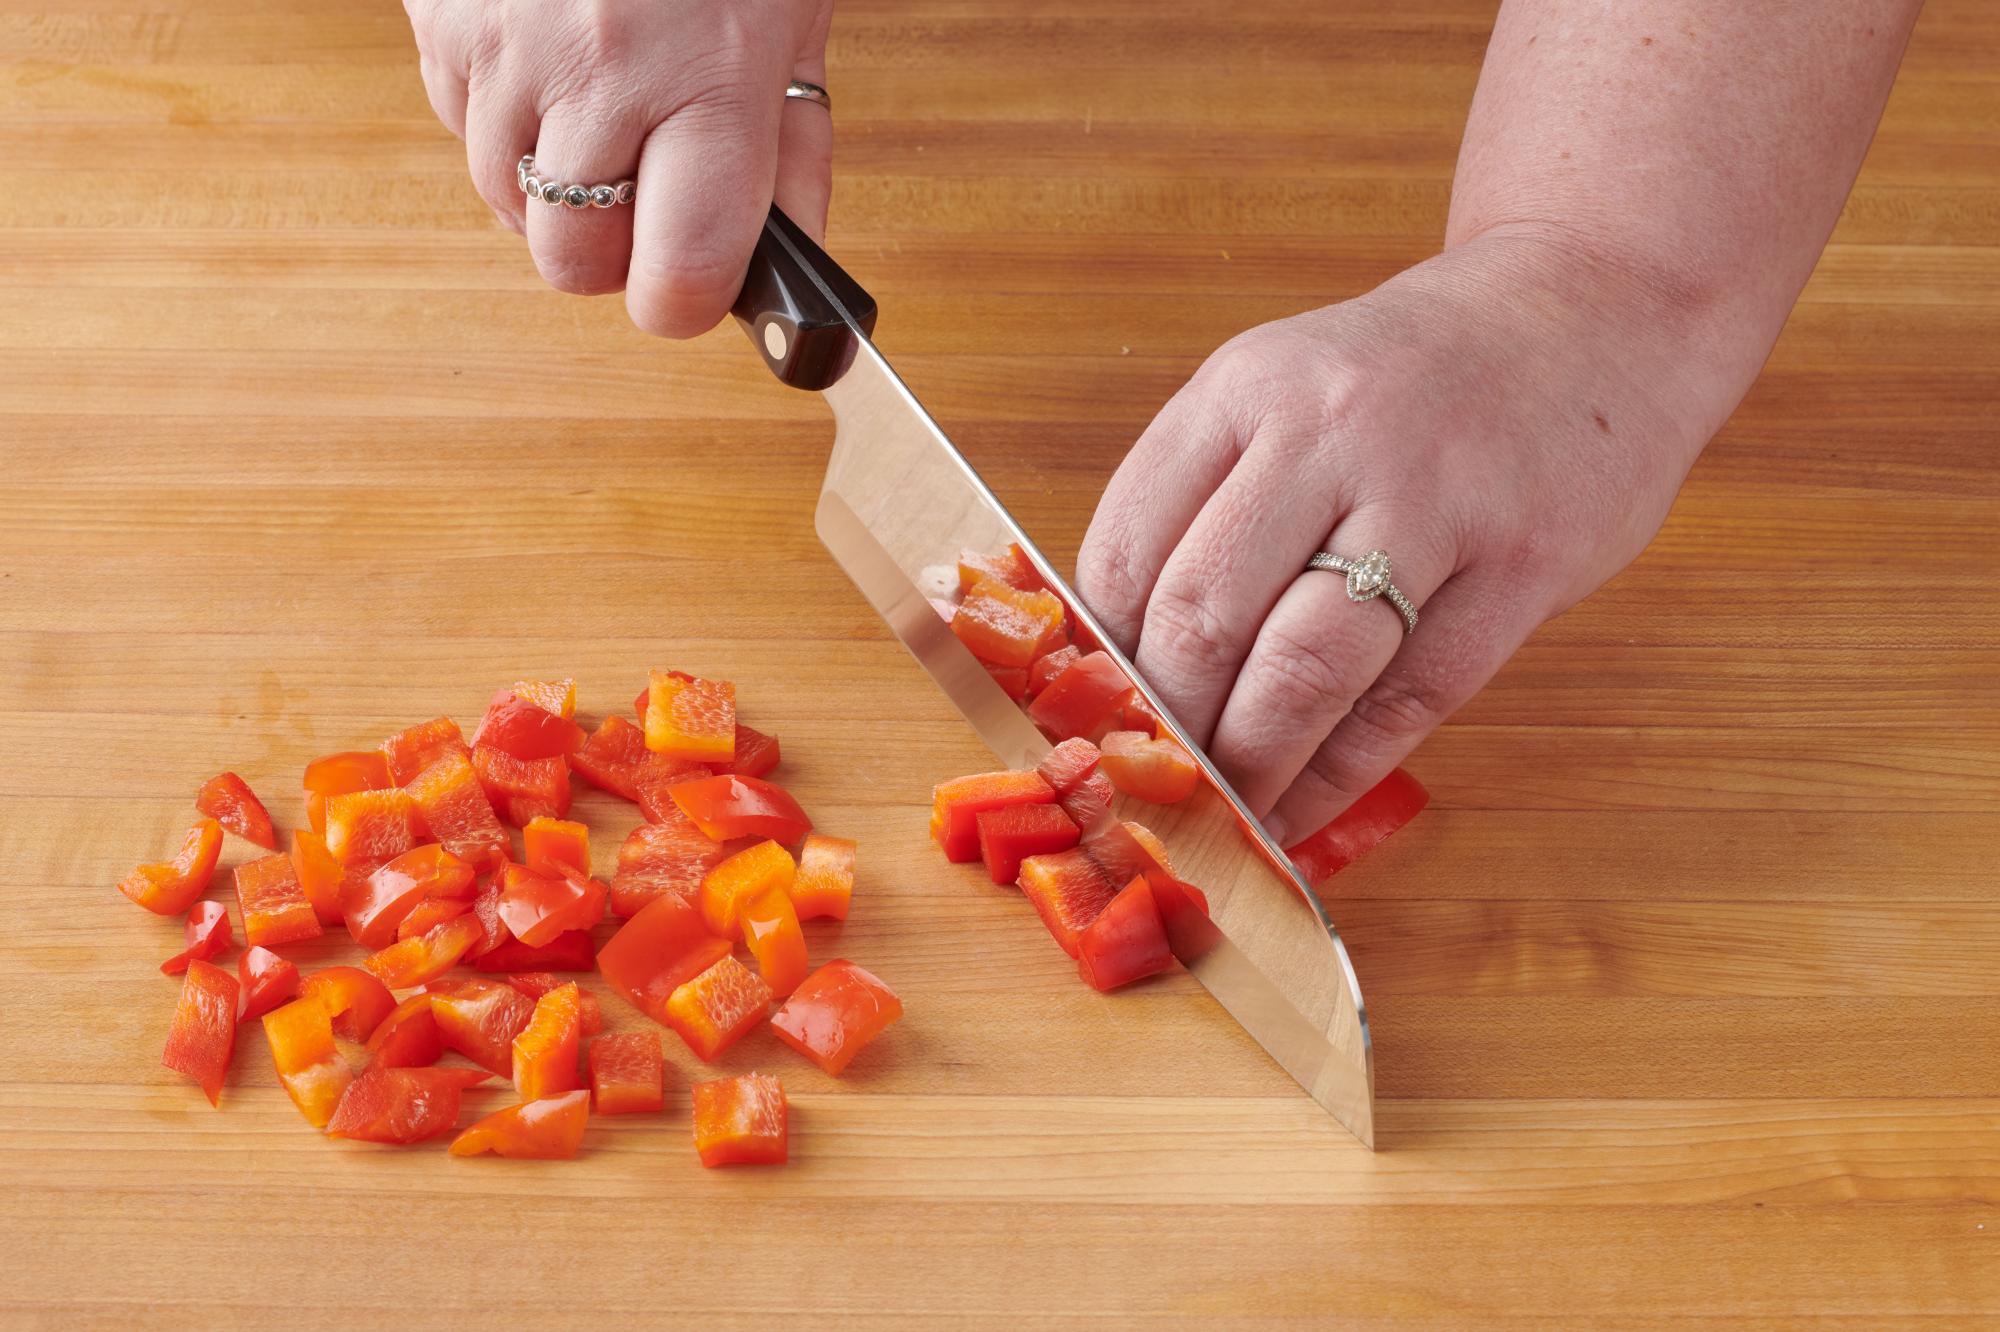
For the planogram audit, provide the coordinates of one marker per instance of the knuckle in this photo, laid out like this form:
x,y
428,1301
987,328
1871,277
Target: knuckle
x,y
1396,710
1184,632
1301,679
1108,579
684,292
587,274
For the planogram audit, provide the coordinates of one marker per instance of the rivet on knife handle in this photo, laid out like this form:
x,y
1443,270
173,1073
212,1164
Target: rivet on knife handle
x,y
800,308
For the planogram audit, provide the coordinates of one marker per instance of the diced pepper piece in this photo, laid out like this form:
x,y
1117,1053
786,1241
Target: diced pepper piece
x,y
824,884
545,1051
671,856
765,867
957,804
263,981
1136,714
1008,836
616,759
1122,850
656,788
557,696
1358,829
657,951
343,774
355,1002
424,957
740,1121
1013,680
1089,802
203,1036
729,807
375,905
1069,764
1069,891
756,753
640,704
1126,942
1148,769
835,1013
430,913
410,751
371,826
550,1129
170,887
517,727
1011,566
572,951
401,1105
535,984
522,790
486,910
1082,698
771,932
228,800
452,802
1049,665
551,842
627,1073
309,1064
274,903
319,875
719,1007
408,1037
480,1019
538,907
1005,626
206,935
687,718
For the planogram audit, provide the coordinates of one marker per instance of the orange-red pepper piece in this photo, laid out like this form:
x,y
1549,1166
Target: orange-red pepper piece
x,y
432,912
522,790
354,1001
515,726
689,718
728,807
263,981
275,907
545,1051
1010,835
1013,680
756,753
170,887
411,750
670,856
309,1064
1148,769
1049,665
401,1105
1127,941
835,1013
824,884
343,774
627,1073
1088,693
320,876
657,951
228,800
425,957
1005,626
375,905
957,804
203,1036
480,1019
1011,566
550,1129
1088,804
206,934
615,758
1358,829
408,1037
771,932
1122,850
551,842
573,950
452,802
537,907
740,1121
719,1007
535,984
371,826
765,867
1069,764
1069,890
557,696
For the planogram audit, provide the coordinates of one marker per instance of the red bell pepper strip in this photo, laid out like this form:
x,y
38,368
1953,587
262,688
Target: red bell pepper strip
x,y
1089,803
1005,626
671,856
170,887
401,1105
515,726
354,1001
275,907
719,1007
319,875
835,1013
374,905
550,1129
424,957
408,1037
1078,701
453,805
538,907
263,981
409,751
615,758
545,1051
369,827
1049,665
309,1064
557,696
522,790
343,774
756,753
535,984
1126,942
824,884
657,951
687,718
203,1036
432,912
728,807
206,934
548,843
627,1073
480,1019
571,951
1148,769
771,932
765,867
1069,891
957,804
228,800
1357,830
740,1121
1010,835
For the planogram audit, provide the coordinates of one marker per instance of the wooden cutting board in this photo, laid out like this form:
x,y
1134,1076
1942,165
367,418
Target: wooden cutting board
x,y
1684,990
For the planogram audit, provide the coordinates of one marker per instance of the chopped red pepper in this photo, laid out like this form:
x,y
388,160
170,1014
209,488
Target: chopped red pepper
x,y
835,1013
756,753
1005,626
1013,680
1069,764
480,1019
549,843
275,907
408,1037
765,867
206,934
522,790
203,1036
1049,665
354,1001
1009,835
727,807
627,1073
228,800
824,884
771,932
550,1129
1124,849
1357,830
1011,566
572,951
319,875
1069,891
538,907
1126,942
371,826
430,913
170,887
425,957
515,726
616,759
719,1007
656,800
343,774
957,804
452,802
401,1105
263,981
689,718
557,696
658,950
1081,699
375,905
535,984
410,751
1089,802
671,856
1156,770
309,1064
545,1051
1136,714
740,1121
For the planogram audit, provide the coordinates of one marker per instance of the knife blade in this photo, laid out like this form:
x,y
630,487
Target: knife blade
x,y
897,505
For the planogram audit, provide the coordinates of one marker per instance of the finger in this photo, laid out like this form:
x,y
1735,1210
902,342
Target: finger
x,y
805,141
1315,654
500,128
445,86
584,250
1469,630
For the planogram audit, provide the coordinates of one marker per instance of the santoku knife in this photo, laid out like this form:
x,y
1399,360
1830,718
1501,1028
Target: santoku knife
x,y
897,506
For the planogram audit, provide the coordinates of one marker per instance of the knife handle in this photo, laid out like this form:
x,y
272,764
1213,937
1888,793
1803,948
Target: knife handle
x,y
800,308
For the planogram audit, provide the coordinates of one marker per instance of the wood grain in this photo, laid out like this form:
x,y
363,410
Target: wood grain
x,y
1684,991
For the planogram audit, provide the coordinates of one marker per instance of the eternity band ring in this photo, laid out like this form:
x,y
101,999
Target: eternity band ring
x,y
1368,578
572,196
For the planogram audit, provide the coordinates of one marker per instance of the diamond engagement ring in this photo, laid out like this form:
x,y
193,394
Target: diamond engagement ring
x,y
1368,578
572,196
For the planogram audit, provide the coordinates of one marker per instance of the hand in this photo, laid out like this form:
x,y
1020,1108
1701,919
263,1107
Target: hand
x,y
1501,421
687,96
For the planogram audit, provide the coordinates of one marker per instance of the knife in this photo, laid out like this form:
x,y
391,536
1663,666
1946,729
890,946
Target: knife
x,y
898,504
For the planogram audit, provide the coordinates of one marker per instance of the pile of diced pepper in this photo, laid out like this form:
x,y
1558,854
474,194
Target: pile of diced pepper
x,y
408,847
1105,888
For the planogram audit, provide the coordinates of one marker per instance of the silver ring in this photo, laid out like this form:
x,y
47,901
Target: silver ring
x,y
572,196
809,92
1368,578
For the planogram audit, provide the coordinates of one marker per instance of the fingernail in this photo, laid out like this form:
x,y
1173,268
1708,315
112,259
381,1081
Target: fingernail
x,y
1277,828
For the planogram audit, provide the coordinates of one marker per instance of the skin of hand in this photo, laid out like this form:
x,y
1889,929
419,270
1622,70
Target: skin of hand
x,y
1643,189
685,95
